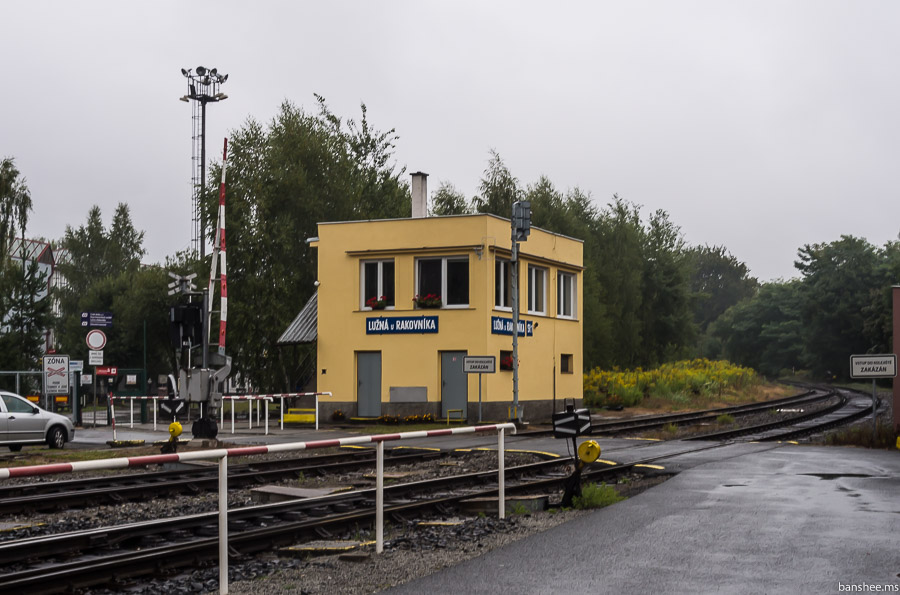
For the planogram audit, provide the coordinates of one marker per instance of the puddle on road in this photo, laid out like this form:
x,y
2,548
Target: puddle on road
x,y
833,476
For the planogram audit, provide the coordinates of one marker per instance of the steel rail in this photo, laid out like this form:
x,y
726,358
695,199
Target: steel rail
x,y
137,486
647,422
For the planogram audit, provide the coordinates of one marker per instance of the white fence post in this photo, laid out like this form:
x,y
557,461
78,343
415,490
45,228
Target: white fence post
x,y
223,525
501,491
112,413
379,499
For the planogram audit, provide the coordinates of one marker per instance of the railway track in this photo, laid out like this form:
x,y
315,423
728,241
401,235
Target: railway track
x,y
189,479
74,493
638,424
109,555
852,405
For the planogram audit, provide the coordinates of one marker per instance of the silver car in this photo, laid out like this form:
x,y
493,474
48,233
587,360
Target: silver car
x,y
22,422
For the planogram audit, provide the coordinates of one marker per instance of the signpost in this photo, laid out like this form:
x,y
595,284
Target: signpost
x,y
103,319
96,341
873,366
56,377
479,364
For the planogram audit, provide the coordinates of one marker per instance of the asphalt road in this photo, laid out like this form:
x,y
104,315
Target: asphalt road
x,y
778,519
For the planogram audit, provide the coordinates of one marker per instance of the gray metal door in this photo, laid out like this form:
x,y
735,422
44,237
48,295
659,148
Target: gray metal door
x,y
454,385
368,383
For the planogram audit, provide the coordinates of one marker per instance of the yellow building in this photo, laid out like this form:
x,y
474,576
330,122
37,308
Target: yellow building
x,y
380,351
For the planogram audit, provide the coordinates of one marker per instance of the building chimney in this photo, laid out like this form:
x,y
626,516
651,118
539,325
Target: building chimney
x,y
419,195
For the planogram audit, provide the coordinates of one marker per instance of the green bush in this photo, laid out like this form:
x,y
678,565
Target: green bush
x,y
596,496
725,419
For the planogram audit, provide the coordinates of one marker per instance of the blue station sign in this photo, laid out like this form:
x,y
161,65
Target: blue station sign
x,y
504,326
398,325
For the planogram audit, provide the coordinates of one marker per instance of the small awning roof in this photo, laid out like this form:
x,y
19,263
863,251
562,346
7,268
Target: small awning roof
x,y
304,328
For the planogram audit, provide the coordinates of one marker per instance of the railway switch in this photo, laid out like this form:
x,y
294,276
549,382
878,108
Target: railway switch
x,y
572,423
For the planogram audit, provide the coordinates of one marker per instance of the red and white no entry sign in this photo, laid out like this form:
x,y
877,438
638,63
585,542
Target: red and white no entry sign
x,y
96,339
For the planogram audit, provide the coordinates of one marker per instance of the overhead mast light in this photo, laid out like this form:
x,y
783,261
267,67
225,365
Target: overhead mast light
x,y
203,88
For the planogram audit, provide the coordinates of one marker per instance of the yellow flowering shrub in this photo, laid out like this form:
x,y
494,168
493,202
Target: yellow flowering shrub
x,y
674,381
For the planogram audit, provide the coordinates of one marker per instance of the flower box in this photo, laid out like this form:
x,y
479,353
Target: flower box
x,y
428,301
376,303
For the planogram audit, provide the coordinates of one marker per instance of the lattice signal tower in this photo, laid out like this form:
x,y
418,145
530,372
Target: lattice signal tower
x,y
203,88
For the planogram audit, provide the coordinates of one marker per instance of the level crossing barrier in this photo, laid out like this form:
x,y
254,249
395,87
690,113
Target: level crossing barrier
x,y
222,454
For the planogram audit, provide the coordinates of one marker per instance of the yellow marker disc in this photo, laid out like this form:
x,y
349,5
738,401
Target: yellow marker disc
x,y
588,451
175,429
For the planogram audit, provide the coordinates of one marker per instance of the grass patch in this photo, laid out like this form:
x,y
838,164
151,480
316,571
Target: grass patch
x,y
862,435
596,496
519,508
725,419
670,428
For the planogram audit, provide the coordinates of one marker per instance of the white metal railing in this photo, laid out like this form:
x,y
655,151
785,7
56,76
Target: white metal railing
x,y
250,399
282,397
131,409
222,455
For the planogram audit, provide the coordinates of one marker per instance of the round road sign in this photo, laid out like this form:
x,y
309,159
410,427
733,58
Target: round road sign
x,y
96,339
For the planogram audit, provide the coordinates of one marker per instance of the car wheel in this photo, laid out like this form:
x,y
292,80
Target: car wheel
x,y
15,447
56,438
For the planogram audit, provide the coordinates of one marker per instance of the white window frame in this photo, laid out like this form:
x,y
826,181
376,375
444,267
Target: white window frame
x,y
362,282
563,278
505,268
533,272
444,260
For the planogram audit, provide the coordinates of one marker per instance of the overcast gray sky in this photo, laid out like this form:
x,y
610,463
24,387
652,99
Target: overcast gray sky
x,y
758,125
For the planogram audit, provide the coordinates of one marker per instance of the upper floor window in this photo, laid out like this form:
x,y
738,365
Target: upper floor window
x,y
446,277
376,284
503,284
537,290
566,306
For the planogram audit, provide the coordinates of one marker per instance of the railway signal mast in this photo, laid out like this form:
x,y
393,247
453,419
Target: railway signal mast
x,y
190,326
521,229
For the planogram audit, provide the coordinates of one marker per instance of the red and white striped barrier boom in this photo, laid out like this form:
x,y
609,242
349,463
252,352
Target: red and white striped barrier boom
x,y
219,253
124,462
